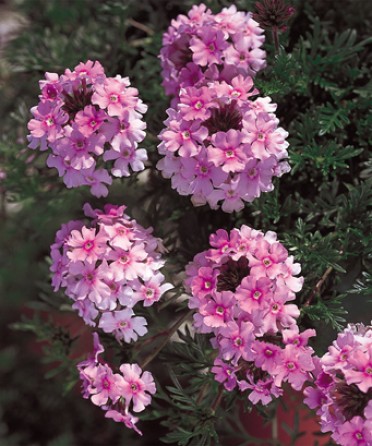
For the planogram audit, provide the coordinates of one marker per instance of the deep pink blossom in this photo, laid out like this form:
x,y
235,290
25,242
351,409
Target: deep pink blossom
x,y
197,48
243,303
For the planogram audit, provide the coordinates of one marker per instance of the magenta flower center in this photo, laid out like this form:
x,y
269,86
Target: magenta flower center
x,y
49,122
268,352
124,259
220,310
149,292
133,387
198,105
88,245
260,135
186,135
80,145
369,370
51,92
238,341
290,365
105,383
93,123
266,261
252,172
113,287
113,98
257,294
90,277
203,169
358,435
207,284
275,307
123,324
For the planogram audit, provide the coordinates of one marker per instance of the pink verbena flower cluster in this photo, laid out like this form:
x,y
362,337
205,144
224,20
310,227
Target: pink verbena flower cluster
x,y
240,290
203,47
107,267
88,120
116,392
221,147
342,393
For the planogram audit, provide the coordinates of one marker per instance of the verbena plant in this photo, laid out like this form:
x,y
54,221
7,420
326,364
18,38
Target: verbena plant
x,y
318,65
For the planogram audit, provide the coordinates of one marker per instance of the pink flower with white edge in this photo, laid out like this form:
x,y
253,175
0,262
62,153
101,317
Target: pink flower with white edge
x,y
137,386
152,290
107,267
82,117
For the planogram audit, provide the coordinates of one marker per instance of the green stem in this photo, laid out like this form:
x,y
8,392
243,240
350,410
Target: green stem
x,y
170,332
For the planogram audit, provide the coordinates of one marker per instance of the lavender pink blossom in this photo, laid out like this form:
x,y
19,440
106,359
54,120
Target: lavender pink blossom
x,y
203,47
108,268
342,390
220,146
91,126
116,393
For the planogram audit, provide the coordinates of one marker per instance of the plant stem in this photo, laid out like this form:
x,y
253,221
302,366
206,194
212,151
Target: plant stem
x,y
202,392
276,39
217,400
170,332
318,286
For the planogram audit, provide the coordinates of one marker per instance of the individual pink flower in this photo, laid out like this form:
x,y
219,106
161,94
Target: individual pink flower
x,y
137,386
123,324
225,373
86,245
208,46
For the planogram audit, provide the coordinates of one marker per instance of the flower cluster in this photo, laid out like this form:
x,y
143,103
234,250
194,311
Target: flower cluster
x,y
87,119
221,147
115,392
240,288
106,268
343,387
203,47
